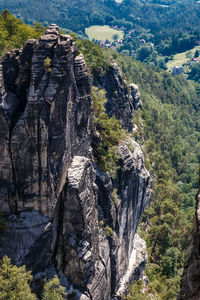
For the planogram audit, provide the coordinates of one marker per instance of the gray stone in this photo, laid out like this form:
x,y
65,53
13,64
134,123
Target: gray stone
x,y
121,104
49,190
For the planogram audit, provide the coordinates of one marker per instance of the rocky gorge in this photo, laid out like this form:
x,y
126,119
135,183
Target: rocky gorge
x,y
59,204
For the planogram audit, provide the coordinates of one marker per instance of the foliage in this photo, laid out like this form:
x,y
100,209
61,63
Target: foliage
x,y
101,223
108,231
14,281
108,134
53,290
143,52
115,197
169,126
14,284
195,72
172,26
93,55
47,64
14,33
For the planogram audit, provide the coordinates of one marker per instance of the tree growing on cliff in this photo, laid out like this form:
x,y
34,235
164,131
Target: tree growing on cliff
x,y
53,290
14,284
14,281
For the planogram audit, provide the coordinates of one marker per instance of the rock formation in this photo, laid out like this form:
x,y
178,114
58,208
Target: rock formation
x,y
190,285
120,103
58,203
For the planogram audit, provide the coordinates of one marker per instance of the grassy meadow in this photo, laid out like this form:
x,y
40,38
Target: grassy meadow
x,y
181,58
102,33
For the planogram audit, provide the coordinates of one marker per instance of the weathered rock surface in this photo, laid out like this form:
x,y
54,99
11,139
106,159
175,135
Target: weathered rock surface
x,y
133,185
136,267
52,125
121,104
54,196
190,284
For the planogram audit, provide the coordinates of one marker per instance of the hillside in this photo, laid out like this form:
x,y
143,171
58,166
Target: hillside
x,y
153,30
155,16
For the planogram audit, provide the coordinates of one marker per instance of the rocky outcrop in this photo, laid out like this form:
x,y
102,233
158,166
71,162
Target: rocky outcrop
x,y
44,121
121,103
190,286
133,185
60,206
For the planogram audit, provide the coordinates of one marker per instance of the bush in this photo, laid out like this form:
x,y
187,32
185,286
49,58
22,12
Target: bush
x,y
108,135
108,231
53,290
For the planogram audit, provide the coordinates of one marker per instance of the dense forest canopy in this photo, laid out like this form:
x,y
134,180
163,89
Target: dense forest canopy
x,y
166,26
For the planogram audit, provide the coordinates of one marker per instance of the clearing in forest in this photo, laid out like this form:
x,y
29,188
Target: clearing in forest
x,y
103,33
182,58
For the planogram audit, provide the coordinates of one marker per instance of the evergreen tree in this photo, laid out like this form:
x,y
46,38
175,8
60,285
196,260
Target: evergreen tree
x,y
14,281
53,290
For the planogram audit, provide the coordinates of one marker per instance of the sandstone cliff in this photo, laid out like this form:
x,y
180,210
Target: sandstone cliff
x,y
53,194
190,285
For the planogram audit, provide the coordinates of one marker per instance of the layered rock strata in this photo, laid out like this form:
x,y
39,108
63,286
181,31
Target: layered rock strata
x,y
121,103
59,205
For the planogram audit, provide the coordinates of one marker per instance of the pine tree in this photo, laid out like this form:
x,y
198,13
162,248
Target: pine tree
x,y
53,290
14,281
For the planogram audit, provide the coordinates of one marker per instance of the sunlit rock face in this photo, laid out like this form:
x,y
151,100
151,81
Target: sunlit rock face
x,y
190,285
52,193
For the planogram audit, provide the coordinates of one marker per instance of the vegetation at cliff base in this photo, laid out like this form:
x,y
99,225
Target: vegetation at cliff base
x,y
15,284
53,290
14,281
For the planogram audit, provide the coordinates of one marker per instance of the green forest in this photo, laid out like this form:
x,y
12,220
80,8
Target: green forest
x,y
172,26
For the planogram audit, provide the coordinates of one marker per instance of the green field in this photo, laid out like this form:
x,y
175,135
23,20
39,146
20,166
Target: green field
x,y
180,58
102,33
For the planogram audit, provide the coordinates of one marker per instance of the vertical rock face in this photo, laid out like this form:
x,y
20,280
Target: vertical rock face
x,y
54,197
121,104
133,192
44,111
190,285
